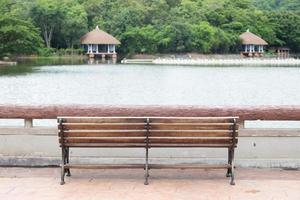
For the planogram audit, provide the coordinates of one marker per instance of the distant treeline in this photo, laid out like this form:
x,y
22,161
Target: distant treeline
x,y
147,26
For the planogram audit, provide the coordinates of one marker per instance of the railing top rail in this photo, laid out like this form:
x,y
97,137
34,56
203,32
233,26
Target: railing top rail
x,y
243,112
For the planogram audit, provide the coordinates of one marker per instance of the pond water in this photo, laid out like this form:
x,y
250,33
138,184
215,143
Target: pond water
x,y
75,82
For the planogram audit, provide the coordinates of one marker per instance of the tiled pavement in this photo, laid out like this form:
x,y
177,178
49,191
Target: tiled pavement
x,y
43,183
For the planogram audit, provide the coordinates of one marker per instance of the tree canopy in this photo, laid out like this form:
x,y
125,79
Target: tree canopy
x,y
152,26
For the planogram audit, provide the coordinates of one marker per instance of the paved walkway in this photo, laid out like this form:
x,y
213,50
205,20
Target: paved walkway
x,y
43,183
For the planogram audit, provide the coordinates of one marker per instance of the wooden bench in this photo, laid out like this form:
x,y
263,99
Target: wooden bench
x,y
147,133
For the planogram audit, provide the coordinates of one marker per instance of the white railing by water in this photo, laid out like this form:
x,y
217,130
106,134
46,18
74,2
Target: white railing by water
x,y
231,62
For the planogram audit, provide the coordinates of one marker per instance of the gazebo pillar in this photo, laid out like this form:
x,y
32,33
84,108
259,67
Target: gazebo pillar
x,y
90,48
97,48
261,48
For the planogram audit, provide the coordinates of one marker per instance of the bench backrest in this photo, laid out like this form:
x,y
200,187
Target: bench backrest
x,y
148,131
193,132
102,131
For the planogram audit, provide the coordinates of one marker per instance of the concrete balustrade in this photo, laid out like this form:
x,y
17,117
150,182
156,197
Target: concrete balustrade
x,y
258,147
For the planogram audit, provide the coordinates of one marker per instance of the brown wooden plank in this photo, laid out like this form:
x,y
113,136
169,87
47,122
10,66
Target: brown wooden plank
x,y
196,123
104,140
191,119
104,119
106,134
181,133
190,138
189,145
189,141
189,127
104,127
104,166
189,166
106,145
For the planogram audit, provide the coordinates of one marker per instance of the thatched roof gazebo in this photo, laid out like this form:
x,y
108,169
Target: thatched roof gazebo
x,y
98,42
253,45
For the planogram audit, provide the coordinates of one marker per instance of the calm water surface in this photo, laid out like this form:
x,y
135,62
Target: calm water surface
x,y
42,83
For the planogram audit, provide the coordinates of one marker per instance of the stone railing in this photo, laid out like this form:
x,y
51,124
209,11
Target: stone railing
x,y
277,113
262,147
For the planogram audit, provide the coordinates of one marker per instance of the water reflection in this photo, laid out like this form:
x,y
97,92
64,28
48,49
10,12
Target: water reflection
x,y
33,65
14,70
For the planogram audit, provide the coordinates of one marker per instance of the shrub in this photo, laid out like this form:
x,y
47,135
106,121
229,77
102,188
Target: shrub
x,y
46,51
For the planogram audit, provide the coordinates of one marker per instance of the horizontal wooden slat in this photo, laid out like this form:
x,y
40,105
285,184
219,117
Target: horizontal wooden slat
x,y
105,145
195,123
103,140
104,127
195,133
106,134
104,166
103,119
189,145
189,166
151,140
188,127
189,141
189,138
143,145
151,166
106,124
191,119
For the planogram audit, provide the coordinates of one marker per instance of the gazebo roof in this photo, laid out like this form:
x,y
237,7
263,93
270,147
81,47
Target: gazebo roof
x,y
250,38
98,36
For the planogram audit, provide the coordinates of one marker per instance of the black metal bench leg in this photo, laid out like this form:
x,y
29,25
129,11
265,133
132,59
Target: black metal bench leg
x,y
228,174
146,169
68,160
232,167
63,160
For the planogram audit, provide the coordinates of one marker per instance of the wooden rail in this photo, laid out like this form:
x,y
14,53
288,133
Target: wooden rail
x,y
244,112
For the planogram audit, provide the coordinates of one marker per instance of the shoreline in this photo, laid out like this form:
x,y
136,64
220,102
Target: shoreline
x,y
7,62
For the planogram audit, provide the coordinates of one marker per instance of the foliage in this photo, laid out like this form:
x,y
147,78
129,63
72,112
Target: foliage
x,y
69,52
140,40
45,52
148,26
47,15
18,36
74,24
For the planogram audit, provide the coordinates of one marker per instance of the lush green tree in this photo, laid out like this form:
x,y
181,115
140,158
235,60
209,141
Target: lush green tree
x,y
175,37
155,26
47,15
273,5
74,24
126,18
18,36
157,11
140,40
203,37
286,28
187,11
